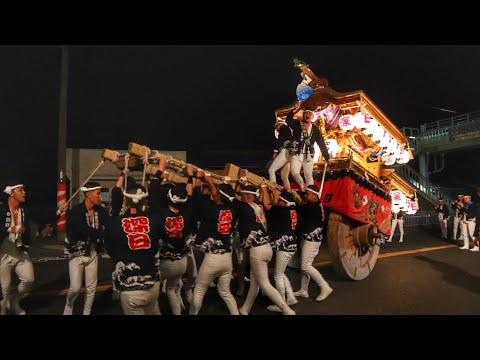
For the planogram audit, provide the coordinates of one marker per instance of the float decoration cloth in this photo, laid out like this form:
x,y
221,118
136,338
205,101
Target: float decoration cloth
x,y
352,195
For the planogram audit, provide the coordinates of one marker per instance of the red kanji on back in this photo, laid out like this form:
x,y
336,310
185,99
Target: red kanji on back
x,y
224,222
137,229
293,217
136,224
139,241
174,226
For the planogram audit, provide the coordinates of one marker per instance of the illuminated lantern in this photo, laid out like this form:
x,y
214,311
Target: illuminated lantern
x,y
398,152
409,203
392,146
346,122
332,146
398,199
414,207
385,140
378,134
403,157
395,209
371,127
388,159
362,121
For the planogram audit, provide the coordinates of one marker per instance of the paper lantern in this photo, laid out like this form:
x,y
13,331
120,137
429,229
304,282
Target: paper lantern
x,y
412,207
385,140
398,152
332,146
347,122
371,127
392,146
388,159
378,133
362,121
403,157
398,199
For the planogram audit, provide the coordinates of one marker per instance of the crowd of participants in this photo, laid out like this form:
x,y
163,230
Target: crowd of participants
x,y
152,235
466,220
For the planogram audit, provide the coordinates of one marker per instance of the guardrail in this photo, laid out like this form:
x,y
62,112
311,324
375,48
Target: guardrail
x,y
421,184
422,217
455,120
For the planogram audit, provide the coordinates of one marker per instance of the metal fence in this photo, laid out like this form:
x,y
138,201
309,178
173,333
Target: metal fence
x,y
422,217
421,183
444,123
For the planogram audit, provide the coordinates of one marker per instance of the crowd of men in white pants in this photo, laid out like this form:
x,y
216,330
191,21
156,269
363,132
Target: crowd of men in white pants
x,y
155,244
466,220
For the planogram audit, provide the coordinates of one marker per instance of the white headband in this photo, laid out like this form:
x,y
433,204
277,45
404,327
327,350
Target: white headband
x,y
175,198
9,189
136,197
313,191
288,203
230,198
85,189
256,193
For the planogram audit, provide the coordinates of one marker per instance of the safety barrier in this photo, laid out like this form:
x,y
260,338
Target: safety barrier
x,y
422,217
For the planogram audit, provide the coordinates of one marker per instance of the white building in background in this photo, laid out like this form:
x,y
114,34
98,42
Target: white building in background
x,y
82,162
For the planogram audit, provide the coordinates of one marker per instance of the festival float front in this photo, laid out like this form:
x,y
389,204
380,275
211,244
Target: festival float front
x,y
360,187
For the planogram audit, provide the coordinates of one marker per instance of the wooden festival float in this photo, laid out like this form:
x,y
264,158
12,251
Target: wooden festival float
x,y
359,184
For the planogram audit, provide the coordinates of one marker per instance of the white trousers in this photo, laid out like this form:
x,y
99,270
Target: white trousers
x,y
309,249
140,302
296,164
282,161
457,224
241,256
400,226
172,271
23,267
443,224
468,227
282,283
77,266
214,266
192,271
259,258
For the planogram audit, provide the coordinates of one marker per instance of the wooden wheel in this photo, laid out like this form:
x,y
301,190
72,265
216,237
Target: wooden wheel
x,y
354,259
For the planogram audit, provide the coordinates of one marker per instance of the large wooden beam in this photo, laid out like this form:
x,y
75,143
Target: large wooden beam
x,y
119,159
231,171
256,180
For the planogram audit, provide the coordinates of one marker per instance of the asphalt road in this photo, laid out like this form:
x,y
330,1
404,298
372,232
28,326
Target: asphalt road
x,y
422,276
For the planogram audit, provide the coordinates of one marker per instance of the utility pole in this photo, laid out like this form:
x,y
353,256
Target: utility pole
x,y
62,143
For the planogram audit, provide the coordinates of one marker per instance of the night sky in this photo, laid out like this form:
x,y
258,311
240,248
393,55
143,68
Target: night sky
x,y
208,97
